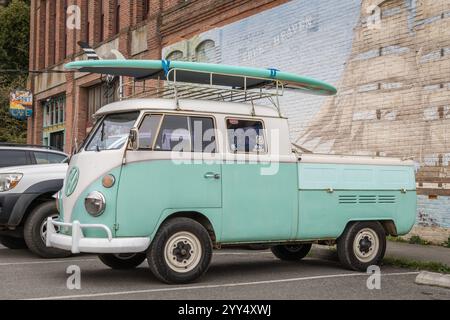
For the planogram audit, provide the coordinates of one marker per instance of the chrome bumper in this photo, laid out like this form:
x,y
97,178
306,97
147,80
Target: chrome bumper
x,y
77,243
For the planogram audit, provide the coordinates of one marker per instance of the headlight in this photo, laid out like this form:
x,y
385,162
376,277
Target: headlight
x,y
95,203
9,181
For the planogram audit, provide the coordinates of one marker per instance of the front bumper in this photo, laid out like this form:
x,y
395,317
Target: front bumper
x,y
9,203
77,243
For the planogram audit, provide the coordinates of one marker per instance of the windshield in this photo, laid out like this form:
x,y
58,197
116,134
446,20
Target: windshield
x,y
112,132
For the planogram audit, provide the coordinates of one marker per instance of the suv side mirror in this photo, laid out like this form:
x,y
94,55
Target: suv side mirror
x,y
133,139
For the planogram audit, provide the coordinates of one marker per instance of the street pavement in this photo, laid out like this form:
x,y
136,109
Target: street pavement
x,y
234,274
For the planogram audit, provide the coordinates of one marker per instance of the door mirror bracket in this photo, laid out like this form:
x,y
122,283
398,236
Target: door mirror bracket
x,y
133,139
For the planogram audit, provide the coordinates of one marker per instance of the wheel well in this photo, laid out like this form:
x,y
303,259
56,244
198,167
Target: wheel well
x,y
197,216
36,202
388,226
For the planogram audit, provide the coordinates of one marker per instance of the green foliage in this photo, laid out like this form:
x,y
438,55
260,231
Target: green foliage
x,y
418,240
417,265
447,244
14,43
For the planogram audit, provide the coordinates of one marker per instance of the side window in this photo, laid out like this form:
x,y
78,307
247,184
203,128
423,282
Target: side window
x,y
203,135
10,158
148,130
174,134
48,157
246,136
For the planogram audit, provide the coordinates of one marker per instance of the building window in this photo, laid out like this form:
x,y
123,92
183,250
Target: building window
x,y
117,17
175,55
102,22
54,111
64,45
145,9
206,51
100,95
87,23
54,117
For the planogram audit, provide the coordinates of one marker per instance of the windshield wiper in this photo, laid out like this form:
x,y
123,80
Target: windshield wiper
x,y
102,135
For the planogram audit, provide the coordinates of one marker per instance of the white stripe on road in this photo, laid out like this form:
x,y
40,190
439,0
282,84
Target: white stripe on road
x,y
44,262
226,285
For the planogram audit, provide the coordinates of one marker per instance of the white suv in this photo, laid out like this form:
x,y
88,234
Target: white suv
x,y
22,155
27,197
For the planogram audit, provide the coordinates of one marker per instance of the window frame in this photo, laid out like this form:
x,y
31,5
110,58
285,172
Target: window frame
x,y
33,156
94,130
187,115
266,144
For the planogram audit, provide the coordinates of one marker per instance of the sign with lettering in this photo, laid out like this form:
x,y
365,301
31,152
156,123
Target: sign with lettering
x,y
20,104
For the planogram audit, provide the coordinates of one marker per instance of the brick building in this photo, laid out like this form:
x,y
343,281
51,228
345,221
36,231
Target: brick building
x,y
390,60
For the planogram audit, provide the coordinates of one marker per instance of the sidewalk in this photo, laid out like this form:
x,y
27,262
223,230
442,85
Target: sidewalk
x,y
418,252
396,250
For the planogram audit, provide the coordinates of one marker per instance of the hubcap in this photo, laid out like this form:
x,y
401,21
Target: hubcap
x,y
183,252
366,245
43,228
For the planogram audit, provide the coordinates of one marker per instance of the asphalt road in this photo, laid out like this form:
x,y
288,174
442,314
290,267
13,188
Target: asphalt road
x,y
233,275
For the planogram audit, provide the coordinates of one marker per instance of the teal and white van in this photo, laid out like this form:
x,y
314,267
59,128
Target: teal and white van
x,y
169,180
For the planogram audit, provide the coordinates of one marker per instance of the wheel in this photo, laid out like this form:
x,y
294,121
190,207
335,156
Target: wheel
x,y
291,252
362,245
35,231
13,243
122,261
180,252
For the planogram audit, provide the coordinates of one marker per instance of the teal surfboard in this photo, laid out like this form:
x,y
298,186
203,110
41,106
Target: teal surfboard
x,y
194,72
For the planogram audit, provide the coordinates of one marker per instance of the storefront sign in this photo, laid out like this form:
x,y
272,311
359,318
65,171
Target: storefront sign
x,y
20,104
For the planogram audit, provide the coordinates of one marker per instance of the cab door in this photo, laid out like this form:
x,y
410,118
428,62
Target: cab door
x,y
258,204
167,173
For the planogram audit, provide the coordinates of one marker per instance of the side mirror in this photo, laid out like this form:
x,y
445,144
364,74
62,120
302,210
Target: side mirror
x,y
133,139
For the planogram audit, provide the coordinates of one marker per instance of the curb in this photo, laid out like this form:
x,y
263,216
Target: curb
x,y
433,279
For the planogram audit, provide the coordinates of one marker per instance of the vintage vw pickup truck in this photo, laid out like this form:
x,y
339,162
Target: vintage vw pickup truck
x,y
169,180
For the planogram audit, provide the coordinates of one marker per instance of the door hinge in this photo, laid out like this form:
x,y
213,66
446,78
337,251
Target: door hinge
x,y
116,226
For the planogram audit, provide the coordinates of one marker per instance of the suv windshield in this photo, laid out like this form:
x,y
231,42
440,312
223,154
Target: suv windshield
x,y
112,132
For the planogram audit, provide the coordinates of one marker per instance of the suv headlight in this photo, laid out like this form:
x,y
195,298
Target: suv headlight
x,y
9,181
95,203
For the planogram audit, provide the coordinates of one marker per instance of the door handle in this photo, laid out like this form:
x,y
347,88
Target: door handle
x,y
212,175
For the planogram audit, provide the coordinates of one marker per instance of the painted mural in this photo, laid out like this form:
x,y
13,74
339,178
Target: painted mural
x,y
391,63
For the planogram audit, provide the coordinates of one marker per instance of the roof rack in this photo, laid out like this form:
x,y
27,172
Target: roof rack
x,y
23,145
250,89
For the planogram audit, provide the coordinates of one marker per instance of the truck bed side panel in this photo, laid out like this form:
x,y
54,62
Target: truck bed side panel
x,y
331,195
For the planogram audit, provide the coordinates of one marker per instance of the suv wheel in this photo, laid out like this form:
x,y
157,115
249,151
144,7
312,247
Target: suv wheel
x,y
35,231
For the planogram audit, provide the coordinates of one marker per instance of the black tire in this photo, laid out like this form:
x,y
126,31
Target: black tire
x,y
13,243
196,252
32,231
362,245
122,261
291,252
